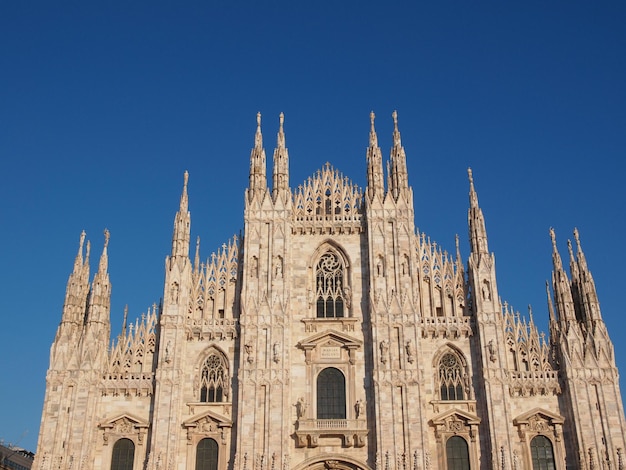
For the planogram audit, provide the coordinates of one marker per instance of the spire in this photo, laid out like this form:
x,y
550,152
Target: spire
x,y
196,262
398,177
258,178
375,184
182,224
103,266
77,286
561,284
476,220
586,285
280,182
78,262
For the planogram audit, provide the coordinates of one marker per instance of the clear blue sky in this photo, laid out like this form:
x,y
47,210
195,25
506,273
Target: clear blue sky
x,y
104,105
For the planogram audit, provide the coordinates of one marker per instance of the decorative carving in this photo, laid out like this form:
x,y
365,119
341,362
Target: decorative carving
x,y
384,351
301,407
359,408
410,351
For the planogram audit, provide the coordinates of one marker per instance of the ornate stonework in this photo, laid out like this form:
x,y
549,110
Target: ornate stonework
x,y
332,335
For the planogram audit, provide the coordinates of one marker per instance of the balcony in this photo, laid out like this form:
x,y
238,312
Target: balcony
x,y
353,432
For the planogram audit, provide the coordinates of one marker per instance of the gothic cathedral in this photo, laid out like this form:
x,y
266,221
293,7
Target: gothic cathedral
x,y
332,335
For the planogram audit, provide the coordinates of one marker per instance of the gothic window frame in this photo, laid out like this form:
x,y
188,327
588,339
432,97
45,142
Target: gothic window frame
x,y
213,384
541,422
452,377
124,426
456,423
330,292
212,425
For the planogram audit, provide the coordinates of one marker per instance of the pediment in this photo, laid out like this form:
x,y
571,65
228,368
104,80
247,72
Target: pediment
x,y
208,418
124,420
525,418
455,414
330,337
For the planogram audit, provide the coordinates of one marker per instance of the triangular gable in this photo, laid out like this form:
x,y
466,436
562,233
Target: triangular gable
x,y
124,418
469,418
221,421
341,338
524,418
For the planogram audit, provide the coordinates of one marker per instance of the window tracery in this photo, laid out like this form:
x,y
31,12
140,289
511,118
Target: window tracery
x,y
452,378
214,379
329,286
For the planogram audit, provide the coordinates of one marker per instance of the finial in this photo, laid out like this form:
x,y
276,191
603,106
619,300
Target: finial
x,y
469,174
569,248
186,179
394,115
372,117
258,120
83,234
107,235
553,237
281,119
577,238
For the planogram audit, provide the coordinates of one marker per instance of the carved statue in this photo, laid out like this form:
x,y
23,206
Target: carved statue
x,y
384,349
359,408
300,407
410,351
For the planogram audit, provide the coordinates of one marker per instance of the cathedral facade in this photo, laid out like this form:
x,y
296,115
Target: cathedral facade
x,y
332,335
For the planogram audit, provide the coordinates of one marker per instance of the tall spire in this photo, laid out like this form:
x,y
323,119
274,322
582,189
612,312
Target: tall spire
x,y
561,285
182,224
398,177
375,184
258,178
589,303
476,221
77,286
280,182
95,339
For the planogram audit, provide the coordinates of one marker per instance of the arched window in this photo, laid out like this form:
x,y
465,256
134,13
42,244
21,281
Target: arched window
x,y
457,454
331,394
451,377
329,285
206,455
214,379
123,455
541,451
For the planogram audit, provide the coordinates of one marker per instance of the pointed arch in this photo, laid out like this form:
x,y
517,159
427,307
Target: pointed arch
x,y
331,281
214,377
452,377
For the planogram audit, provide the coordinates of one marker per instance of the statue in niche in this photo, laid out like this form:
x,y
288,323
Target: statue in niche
x,y
254,269
486,291
276,352
384,350
300,407
249,352
410,351
347,295
492,351
174,293
379,268
278,268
